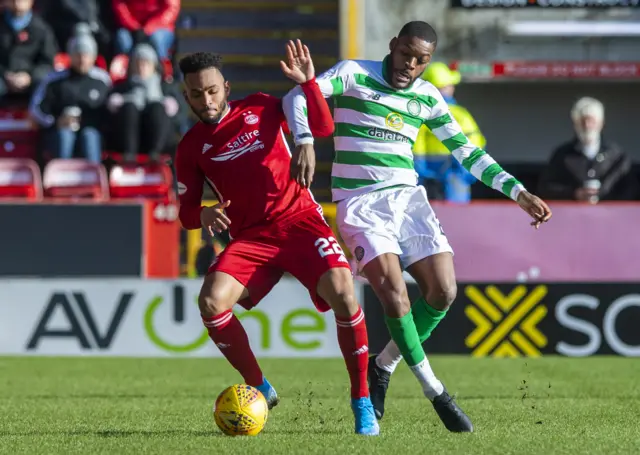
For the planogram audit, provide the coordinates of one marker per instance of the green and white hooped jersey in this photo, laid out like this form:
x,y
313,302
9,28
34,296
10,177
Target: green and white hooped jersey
x,y
377,125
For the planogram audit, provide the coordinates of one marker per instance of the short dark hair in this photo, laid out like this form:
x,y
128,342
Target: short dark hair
x,y
199,61
419,29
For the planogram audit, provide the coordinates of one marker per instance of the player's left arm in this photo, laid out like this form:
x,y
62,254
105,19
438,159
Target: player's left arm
x,y
479,163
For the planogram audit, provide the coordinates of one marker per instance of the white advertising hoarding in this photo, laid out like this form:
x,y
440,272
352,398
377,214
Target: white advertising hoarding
x,y
151,318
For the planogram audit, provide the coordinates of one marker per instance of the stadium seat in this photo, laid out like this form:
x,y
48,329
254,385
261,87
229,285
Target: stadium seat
x,y
120,65
75,179
167,68
62,61
141,159
118,68
18,133
20,179
149,181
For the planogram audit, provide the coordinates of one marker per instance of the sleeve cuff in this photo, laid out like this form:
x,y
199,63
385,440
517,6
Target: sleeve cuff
x,y
516,190
304,138
308,83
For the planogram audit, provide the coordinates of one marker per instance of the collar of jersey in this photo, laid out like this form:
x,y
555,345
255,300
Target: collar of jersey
x,y
226,113
385,64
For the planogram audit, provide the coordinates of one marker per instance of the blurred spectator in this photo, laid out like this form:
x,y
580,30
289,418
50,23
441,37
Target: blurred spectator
x,y
64,15
588,167
144,106
27,49
443,176
146,20
70,103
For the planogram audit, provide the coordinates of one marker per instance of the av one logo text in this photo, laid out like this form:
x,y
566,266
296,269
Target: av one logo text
x,y
152,321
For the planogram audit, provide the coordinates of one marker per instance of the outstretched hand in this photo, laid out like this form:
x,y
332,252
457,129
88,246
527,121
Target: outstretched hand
x,y
299,66
535,207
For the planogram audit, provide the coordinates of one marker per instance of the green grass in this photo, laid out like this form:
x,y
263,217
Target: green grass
x,y
104,405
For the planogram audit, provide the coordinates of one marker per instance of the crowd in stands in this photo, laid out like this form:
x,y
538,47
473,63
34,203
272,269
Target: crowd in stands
x,y
90,80
94,80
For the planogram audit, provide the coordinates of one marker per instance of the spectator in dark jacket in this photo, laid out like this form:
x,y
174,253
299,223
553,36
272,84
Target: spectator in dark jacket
x,y
27,49
64,15
588,168
144,106
70,103
141,20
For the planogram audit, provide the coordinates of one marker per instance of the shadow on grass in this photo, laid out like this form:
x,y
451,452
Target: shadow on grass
x,y
153,433
107,396
112,433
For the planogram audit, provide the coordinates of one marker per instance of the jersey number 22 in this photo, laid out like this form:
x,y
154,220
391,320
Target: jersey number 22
x,y
328,246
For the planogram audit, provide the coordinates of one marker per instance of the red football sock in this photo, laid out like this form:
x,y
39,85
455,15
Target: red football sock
x,y
228,334
354,344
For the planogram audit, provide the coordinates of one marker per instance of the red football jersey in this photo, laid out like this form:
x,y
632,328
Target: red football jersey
x,y
245,159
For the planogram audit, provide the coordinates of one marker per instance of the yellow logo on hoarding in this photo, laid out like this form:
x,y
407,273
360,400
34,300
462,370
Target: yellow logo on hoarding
x,y
506,325
394,121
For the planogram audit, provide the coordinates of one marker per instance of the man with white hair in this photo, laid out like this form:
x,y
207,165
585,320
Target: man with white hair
x,y
588,168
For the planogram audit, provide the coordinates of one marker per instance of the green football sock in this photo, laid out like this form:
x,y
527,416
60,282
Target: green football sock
x,y
404,333
426,318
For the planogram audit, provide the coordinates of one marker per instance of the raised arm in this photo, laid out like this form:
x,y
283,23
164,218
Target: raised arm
x,y
295,104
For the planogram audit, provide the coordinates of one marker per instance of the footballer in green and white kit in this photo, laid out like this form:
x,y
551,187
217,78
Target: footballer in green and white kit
x,y
383,216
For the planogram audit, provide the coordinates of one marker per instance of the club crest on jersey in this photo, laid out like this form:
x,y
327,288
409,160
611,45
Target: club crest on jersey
x,y
414,107
251,119
395,121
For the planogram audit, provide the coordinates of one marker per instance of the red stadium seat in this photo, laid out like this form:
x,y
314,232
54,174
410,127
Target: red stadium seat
x,y
20,178
75,179
150,181
167,68
101,62
140,158
18,133
120,65
62,61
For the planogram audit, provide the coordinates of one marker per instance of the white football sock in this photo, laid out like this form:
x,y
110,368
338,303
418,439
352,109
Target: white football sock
x,y
389,358
431,386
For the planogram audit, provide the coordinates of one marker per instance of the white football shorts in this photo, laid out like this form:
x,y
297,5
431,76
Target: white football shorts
x,y
397,220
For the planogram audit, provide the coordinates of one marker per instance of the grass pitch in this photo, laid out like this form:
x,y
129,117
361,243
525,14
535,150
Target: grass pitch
x,y
163,406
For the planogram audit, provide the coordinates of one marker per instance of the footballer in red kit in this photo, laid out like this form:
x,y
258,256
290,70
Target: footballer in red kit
x,y
240,150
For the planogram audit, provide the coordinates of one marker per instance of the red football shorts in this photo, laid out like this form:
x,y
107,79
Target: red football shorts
x,y
306,249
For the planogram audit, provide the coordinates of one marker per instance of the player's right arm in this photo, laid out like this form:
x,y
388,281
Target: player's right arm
x,y
334,82
190,185
191,179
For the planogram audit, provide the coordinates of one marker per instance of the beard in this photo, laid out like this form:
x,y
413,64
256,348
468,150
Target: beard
x,y
204,118
588,136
